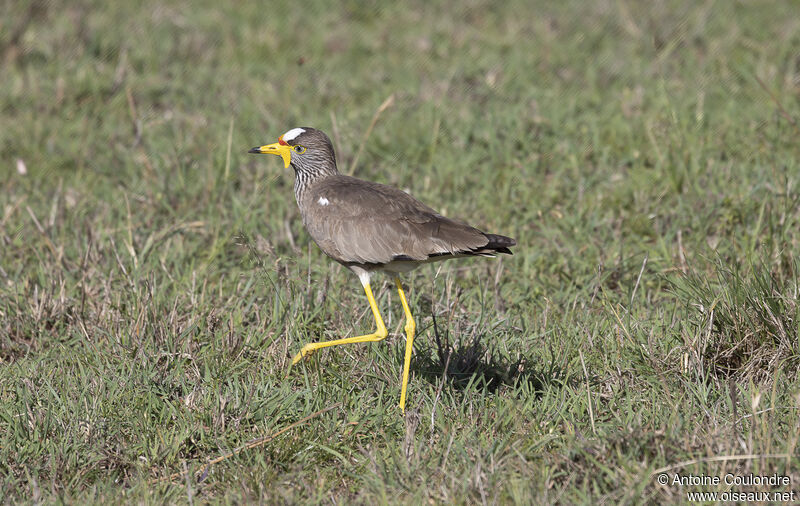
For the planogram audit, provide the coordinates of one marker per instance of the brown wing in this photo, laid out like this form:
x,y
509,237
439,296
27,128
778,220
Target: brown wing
x,y
364,222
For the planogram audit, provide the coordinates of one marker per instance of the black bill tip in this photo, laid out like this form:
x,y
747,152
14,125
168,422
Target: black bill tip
x,y
256,150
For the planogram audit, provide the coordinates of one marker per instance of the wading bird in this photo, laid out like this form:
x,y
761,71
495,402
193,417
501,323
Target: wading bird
x,y
370,227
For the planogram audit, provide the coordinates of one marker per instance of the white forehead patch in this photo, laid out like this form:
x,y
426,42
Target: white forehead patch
x,y
323,201
291,134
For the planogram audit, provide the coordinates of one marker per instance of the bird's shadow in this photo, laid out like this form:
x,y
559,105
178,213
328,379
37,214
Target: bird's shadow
x,y
464,362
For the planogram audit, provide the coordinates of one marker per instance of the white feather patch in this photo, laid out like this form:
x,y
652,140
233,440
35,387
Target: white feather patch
x,y
291,134
323,201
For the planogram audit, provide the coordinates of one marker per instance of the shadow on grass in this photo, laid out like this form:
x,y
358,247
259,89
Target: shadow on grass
x,y
464,362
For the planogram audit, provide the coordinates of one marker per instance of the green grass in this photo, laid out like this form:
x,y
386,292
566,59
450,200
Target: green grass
x,y
155,279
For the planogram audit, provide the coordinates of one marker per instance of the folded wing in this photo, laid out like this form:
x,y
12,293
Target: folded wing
x,y
355,221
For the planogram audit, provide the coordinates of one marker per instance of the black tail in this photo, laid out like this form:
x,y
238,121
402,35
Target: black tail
x,y
500,243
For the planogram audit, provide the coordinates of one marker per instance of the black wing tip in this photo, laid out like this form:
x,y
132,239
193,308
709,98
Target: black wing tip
x,y
500,243
496,244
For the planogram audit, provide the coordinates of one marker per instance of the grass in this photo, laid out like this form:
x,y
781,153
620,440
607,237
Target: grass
x,y
155,279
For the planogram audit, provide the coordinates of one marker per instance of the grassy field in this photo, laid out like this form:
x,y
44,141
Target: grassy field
x,y
155,279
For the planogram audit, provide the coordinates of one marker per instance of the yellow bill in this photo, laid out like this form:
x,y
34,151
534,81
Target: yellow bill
x,y
279,148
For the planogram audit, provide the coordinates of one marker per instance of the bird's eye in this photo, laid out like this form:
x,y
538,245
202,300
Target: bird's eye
x,y
299,149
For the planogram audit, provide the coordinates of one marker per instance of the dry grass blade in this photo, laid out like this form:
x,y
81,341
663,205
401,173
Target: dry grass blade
x,y
778,103
720,458
588,393
254,443
385,105
228,150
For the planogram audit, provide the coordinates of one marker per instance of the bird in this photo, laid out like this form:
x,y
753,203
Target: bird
x,y
370,227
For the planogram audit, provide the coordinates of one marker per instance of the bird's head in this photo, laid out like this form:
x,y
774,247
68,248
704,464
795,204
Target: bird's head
x,y
304,149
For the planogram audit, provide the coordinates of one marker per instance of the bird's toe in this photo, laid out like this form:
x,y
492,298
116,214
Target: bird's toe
x,y
305,351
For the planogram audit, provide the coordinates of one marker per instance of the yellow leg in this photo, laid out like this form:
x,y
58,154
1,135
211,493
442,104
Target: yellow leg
x,y
410,328
379,334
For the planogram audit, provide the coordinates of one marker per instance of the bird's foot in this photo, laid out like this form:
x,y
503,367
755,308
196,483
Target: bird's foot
x,y
305,351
